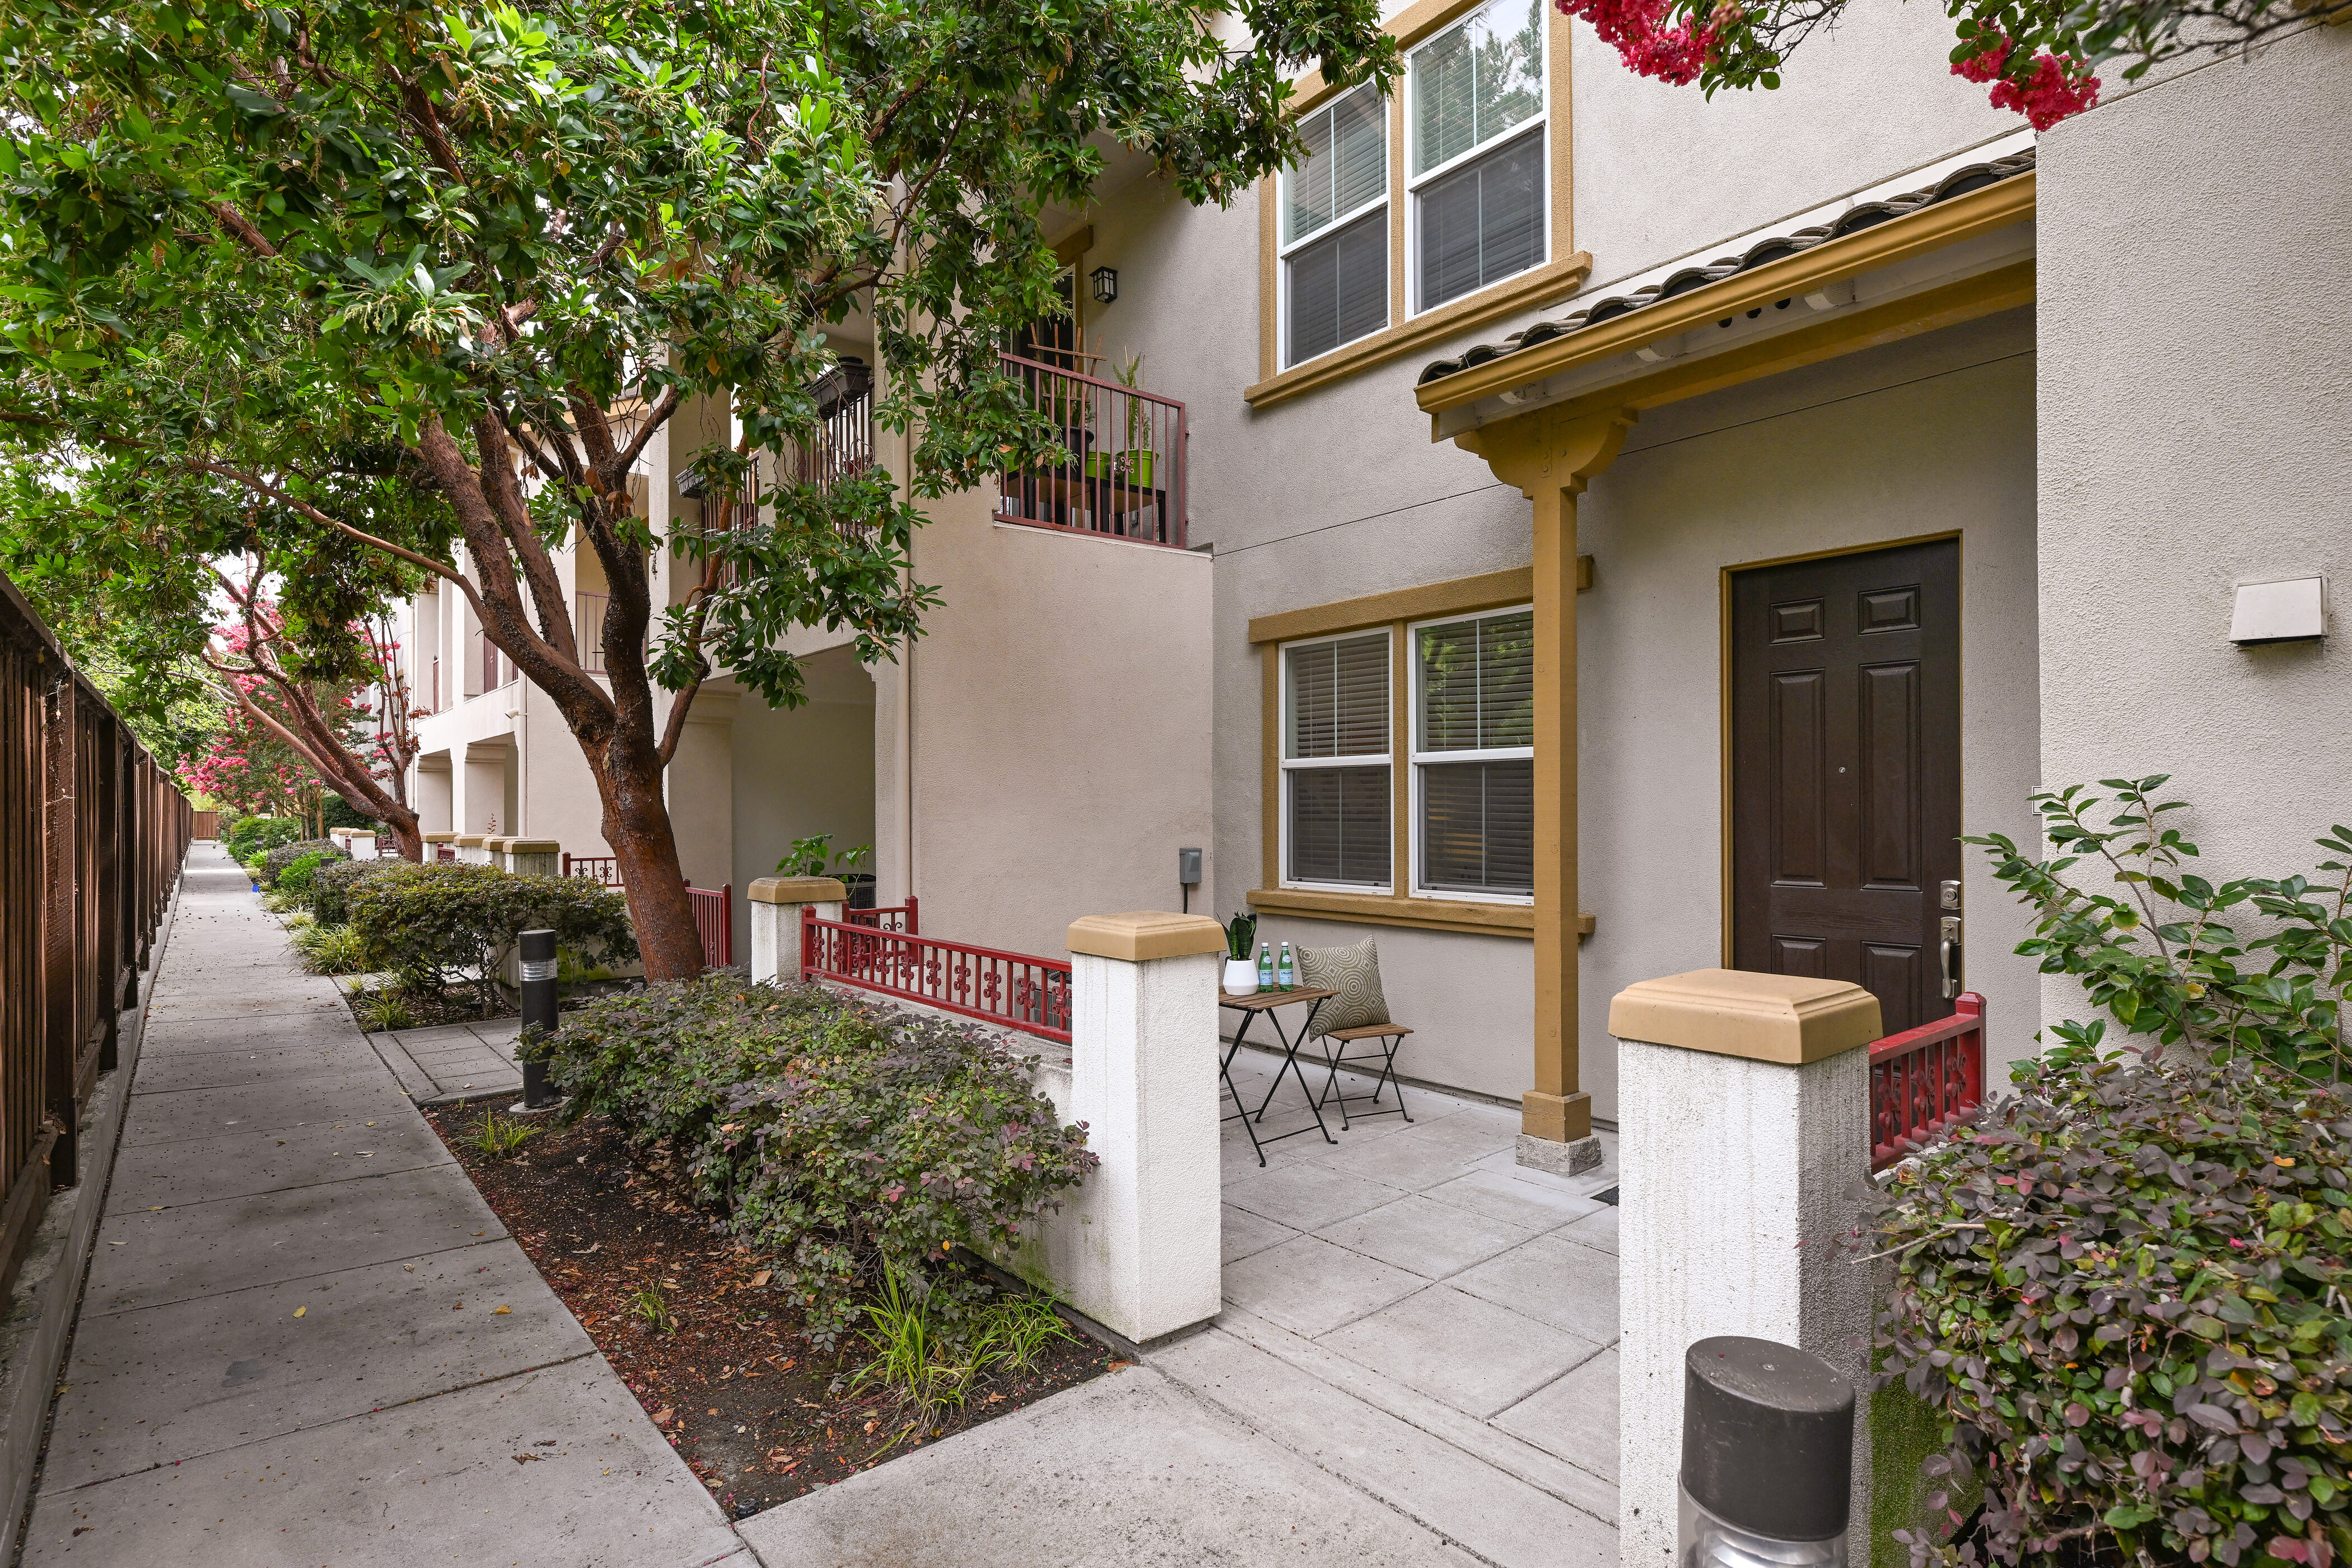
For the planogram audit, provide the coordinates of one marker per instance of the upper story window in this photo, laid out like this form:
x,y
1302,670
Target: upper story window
x,y
1336,761
1335,229
1473,755
1478,164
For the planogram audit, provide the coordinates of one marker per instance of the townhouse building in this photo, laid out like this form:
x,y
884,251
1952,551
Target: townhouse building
x,y
1569,531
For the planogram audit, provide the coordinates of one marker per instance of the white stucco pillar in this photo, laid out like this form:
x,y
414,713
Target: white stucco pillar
x,y
1743,1131
1136,1247
776,906
534,857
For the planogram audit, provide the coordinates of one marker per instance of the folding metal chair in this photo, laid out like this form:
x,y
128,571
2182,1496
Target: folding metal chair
x,y
1390,1036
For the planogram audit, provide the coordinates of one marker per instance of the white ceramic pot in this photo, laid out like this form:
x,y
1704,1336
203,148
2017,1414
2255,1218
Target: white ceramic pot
x,y
1241,976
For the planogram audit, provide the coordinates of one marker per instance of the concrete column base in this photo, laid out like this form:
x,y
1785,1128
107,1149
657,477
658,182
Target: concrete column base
x,y
1570,1158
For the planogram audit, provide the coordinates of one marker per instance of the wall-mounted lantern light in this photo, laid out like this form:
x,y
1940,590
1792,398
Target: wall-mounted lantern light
x,y
2294,609
1106,282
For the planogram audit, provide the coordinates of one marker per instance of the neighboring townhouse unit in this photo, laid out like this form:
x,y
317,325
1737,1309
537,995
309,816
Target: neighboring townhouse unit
x,y
1575,532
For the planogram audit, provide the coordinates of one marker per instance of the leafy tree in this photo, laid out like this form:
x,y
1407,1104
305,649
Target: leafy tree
x,y
507,250
2039,56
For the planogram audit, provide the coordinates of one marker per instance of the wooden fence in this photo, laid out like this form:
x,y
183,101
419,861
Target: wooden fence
x,y
92,832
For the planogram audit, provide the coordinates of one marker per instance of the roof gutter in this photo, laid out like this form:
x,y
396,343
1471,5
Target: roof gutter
x,y
1916,234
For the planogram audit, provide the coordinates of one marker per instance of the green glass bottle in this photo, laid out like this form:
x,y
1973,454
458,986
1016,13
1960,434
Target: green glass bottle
x,y
1265,967
1284,974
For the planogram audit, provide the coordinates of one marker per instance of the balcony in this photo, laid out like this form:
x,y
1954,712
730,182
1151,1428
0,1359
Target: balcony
x,y
1127,449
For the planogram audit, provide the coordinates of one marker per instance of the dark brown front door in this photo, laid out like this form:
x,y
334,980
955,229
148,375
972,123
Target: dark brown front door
x,y
1846,770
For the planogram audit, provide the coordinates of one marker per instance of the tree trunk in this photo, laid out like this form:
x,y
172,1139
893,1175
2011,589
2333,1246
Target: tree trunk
x,y
637,826
406,837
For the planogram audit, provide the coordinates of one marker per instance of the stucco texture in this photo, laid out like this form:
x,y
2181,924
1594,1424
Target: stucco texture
x,y
2195,388
1060,711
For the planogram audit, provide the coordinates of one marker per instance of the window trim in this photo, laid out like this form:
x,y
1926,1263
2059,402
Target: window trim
x,y
1552,282
1289,764
1538,126
1417,758
1445,600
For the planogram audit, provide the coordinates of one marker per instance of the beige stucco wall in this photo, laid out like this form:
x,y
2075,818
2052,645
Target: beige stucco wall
x,y
2196,388
803,771
1060,715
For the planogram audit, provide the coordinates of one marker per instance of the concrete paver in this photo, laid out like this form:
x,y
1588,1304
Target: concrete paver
x,y
401,1418
1125,1469
455,1061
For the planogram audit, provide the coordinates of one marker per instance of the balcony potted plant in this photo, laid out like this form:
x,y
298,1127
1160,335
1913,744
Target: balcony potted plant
x,y
1131,468
1240,967
813,856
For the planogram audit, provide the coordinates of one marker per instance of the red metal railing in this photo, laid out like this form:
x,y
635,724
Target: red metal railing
x,y
898,919
1127,452
445,852
1924,1081
842,446
588,627
604,868
712,920
1024,993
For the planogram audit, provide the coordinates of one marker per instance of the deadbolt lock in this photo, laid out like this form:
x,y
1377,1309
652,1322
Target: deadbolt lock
x,y
1950,898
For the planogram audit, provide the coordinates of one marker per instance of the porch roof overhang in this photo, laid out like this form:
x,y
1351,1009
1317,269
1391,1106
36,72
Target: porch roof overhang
x,y
1911,264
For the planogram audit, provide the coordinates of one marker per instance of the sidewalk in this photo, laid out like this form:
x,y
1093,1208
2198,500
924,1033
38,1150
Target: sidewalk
x,y
272,1164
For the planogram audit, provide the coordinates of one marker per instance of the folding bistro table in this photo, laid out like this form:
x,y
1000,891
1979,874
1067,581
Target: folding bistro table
x,y
1250,1007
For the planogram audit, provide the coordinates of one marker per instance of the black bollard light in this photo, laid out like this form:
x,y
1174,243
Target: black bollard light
x,y
537,1018
1767,1458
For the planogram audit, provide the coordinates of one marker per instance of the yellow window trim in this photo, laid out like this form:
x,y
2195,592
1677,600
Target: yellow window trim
x,y
1391,612
1554,282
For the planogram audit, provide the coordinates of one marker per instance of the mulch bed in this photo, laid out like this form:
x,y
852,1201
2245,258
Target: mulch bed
x,y
463,1005
751,1405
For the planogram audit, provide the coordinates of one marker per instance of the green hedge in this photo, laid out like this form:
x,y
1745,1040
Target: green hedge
x,y
274,863
838,1135
2124,1294
251,836
436,926
330,886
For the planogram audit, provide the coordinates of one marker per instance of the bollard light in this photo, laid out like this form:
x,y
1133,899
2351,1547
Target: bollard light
x,y
538,955
1767,1458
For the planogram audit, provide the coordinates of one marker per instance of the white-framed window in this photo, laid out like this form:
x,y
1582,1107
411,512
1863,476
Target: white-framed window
x,y
1474,756
1335,228
1337,763
1476,161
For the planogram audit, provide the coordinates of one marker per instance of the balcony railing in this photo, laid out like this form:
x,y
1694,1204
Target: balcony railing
x,y
710,918
1021,992
898,919
604,868
588,627
1925,1082
1127,452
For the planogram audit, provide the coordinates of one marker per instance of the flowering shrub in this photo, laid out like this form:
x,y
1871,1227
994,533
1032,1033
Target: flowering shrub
x,y
2056,88
850,1140
436,926
2125,1290
274,863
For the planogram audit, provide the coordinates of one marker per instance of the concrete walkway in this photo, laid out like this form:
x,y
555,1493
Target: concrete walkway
x,y
305,1340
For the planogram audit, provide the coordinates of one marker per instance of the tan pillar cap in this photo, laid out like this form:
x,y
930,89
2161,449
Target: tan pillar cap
x,y
1731,1012
497,841
471,840
1146,933
440,839
798,891
535,846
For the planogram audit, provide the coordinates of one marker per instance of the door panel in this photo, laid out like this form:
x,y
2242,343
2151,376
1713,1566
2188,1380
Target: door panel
x,y
1845,745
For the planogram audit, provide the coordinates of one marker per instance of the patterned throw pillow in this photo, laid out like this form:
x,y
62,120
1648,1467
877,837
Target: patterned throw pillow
x,y
1354,973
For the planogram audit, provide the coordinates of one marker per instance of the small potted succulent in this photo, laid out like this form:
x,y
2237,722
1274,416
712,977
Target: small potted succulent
x,y
1241,964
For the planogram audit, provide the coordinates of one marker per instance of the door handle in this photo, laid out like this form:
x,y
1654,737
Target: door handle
x,y
1951,949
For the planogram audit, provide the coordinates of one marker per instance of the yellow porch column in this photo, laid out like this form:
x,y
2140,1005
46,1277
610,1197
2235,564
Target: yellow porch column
x,y
1550,460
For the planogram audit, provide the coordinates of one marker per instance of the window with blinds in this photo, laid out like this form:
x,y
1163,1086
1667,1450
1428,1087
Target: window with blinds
x,y
1336,761
1474,754
1476,169
1335,234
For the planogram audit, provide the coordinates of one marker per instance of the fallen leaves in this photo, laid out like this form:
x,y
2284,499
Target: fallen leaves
x,y
500,1311
762,1277
300,1310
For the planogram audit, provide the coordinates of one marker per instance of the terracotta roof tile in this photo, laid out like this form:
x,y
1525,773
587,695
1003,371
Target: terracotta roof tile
x,y
1959,182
